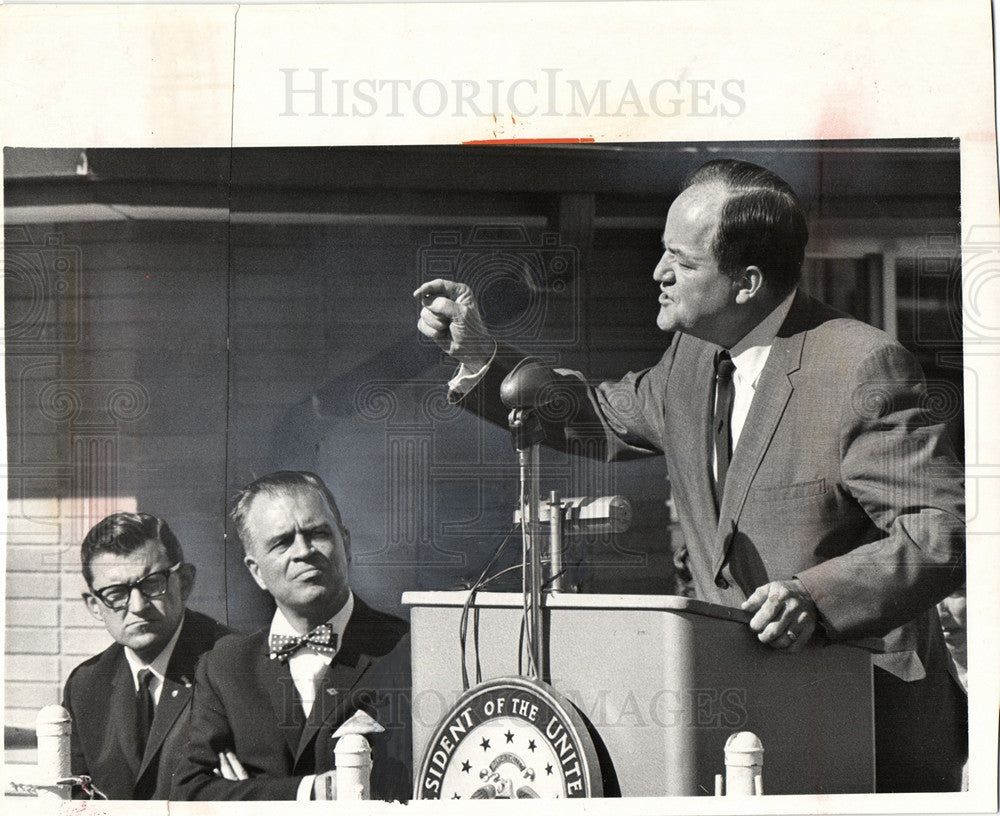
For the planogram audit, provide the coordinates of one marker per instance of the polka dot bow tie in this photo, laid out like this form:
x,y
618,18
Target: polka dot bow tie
x,y
322,639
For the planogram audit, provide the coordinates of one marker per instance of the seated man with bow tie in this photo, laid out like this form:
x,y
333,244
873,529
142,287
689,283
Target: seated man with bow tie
x,y
275,699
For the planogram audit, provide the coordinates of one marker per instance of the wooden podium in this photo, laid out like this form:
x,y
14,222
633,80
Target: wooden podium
x,y
662,682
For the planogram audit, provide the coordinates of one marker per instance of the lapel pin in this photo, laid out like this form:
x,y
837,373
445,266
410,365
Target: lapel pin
x,y
173,693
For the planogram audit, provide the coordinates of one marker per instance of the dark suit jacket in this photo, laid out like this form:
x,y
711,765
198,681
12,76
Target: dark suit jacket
x,y
843,477
247,703
100,697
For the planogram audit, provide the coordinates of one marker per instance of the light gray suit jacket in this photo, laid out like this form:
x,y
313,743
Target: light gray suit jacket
x,y
843,475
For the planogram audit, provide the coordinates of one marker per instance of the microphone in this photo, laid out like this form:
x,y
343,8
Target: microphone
x,y
522,391
525,385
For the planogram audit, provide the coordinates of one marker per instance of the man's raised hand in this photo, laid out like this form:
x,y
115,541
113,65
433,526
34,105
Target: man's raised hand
x,y
451,318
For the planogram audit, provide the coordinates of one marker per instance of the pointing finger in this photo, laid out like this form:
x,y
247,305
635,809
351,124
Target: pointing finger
x,y
440,288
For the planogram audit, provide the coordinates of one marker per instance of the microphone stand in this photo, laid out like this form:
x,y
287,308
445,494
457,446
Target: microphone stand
x,y
529,386
526,430
558,577
525,390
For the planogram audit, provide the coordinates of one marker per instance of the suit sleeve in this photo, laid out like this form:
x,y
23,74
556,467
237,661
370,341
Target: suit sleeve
x,y
897,463
613,421
210,733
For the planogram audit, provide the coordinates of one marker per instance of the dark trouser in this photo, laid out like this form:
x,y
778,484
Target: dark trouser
x,y
921,733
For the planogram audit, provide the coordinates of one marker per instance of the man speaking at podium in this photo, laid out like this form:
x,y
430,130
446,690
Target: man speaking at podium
x,y
813,490
272,702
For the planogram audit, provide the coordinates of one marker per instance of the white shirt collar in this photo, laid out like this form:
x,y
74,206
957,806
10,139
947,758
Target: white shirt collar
x,y
751,352
281,626
159,663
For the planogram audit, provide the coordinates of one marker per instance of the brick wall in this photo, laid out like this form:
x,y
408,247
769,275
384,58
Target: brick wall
x,y
116,393
48,628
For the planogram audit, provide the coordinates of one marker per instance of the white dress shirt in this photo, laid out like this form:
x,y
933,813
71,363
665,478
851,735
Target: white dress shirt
x,y
307,665
466,379
158,666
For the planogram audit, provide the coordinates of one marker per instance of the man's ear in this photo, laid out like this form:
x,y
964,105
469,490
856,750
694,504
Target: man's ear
x,y
345,534
186,574
749,284
93,606
255,571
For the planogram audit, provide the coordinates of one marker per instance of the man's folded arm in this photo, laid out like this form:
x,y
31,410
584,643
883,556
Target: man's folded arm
x,y
209,734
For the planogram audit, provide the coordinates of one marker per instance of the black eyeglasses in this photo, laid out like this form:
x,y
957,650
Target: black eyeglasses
x,y
116,596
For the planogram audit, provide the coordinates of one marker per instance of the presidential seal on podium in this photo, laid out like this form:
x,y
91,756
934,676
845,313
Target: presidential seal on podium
x,y
510,738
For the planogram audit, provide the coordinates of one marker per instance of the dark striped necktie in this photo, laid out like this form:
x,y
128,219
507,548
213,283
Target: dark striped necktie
x,y
722,419
144,707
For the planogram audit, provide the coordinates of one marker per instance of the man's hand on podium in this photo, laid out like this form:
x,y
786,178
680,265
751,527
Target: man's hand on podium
x,y
784,614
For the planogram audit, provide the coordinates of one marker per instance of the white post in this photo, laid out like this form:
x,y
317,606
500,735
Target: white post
x,y
353,758
744,765
52,726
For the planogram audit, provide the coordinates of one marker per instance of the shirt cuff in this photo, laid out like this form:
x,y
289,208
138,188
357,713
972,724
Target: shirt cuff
x,y
466,379
304,793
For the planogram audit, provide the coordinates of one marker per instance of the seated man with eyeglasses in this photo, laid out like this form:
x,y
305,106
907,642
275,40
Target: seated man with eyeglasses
x,y
130,703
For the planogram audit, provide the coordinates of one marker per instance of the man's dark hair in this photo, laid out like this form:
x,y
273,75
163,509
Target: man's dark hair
x,y
762,223
124,533
277,483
